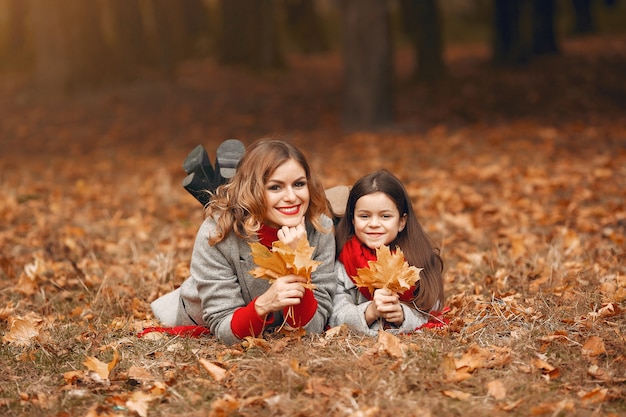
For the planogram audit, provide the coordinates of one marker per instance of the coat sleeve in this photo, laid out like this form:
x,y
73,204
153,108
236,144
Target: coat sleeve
x,y
216,279
349,305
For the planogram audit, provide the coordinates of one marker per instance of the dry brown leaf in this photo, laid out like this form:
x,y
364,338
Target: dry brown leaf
x,y
456,394
250,342
510,406
553,408
496,389
99,368
223,407
140,374
548,371
140,400
318,386
7,311
298,368
594,346
284,260
22,330
450,371
389,270
595,396
217,372
390,344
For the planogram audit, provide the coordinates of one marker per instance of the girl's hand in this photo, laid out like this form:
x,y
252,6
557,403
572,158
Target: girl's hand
x,y
285,291
292,235
385,304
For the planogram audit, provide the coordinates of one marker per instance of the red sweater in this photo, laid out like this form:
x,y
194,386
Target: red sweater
x,y
246,321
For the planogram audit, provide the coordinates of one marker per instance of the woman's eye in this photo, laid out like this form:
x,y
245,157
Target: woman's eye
x,y
300,184
274,187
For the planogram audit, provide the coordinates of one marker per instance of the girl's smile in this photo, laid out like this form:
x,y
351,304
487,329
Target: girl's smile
x,y
377,220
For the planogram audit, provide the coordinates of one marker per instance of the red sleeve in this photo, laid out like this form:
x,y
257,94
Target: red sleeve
x,y
302,313
246,322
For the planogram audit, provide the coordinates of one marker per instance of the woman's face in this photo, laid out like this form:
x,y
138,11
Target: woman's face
x,y
377,220
286,195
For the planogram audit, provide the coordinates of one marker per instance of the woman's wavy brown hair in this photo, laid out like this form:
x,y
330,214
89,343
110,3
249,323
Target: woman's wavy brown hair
x,y
239,206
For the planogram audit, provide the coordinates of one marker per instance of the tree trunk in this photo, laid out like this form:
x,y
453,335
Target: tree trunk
x,y
52,66
16,52
368,65
126,33
583,17
544,39
422,22
509,45
249,36
170,45
305,26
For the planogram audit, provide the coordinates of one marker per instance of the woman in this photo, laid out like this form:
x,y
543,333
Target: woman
x,y
272,196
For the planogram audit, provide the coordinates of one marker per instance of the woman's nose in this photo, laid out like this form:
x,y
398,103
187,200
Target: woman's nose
x,y
290,194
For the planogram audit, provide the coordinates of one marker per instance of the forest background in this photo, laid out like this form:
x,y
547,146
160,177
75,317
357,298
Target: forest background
x,y
513,150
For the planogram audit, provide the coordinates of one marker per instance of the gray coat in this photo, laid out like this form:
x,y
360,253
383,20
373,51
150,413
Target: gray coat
x,y
350,305
220,282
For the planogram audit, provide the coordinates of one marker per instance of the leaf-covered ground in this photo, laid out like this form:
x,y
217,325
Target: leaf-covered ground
x,y
519,175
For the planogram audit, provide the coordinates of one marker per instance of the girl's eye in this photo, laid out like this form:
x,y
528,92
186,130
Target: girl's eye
x,y
362,216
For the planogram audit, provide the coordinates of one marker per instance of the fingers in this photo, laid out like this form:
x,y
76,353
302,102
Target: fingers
x,y
285,291
387,304
292,235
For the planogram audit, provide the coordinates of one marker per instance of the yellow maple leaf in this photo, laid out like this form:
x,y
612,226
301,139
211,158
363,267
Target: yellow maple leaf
x,y
389,270
284,260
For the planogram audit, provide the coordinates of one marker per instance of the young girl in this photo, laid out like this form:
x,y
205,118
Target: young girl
x,y
379,212
272,196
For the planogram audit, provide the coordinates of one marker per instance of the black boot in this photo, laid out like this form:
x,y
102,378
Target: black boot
x,y
203,180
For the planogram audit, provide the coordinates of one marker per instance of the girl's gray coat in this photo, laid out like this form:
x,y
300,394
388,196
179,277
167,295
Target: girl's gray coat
x,y
350,305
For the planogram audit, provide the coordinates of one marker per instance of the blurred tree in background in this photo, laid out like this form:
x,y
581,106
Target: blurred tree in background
x,y
77,45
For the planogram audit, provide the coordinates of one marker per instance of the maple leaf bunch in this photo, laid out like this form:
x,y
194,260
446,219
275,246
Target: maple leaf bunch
x,y
389,270
284,260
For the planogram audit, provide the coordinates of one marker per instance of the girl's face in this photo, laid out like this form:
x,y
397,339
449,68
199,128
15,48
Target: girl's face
x,y
377,220
286,195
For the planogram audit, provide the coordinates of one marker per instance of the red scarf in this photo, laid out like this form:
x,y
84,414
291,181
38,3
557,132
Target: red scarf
x,y
267,235
355,255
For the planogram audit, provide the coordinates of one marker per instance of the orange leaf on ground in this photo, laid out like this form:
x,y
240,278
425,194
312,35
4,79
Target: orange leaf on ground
x,y
496,389
99,368
217,372
390,344
456,394
22,330
594,346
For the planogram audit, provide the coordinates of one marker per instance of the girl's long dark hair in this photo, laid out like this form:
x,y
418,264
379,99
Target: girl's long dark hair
x,y
417,247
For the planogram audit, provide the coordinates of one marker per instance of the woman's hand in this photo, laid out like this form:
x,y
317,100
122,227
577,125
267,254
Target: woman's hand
x,y
285,291
292,235
385,304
